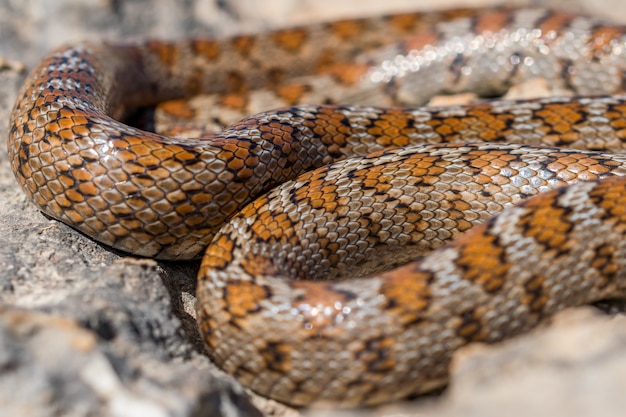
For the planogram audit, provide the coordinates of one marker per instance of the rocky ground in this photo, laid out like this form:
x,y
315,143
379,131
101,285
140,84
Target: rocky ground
x,y
89,332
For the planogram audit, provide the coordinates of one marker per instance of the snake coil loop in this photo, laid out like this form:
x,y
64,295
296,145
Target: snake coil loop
x,y
368,195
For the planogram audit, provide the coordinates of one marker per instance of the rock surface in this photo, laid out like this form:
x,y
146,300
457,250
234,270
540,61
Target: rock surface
x,y
89,332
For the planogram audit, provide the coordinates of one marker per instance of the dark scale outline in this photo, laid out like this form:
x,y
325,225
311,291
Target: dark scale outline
x,y
564,218
538,312
468,319
489,226
225,294
609,279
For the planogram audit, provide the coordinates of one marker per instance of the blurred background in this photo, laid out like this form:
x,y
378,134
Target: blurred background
x,y
28,28
45,266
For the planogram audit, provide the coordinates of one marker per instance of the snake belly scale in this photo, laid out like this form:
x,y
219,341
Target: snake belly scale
x,y
351,249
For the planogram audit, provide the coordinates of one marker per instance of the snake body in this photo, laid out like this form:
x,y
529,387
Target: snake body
x,y
367,195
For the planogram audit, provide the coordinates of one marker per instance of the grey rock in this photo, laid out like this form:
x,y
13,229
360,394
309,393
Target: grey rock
x,y
574,367
85,331
53,366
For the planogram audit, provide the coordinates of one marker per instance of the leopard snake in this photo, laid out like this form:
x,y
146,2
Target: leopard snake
x,y
368,203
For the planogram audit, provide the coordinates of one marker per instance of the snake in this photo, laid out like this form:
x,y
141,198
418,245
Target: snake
x,y
349,245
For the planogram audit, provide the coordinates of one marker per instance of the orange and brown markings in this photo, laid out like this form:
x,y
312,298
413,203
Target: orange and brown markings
x,y
419,41
392,128
568,166
243,299
405,23
482,258
488,164
332,128
269,226
609,195
606,262
377,355
603,39
167,53
209,49
420,22
346,30
536,295
239,160
560,121
479,120
68,124
374,178
207,325
293,93
418,27
471,327
491,21
617,119
548,223
291,40
258,265
235,101
319,304
218,255
555,21
180,109
244,45
407,293
326,60
344,72
425,168
277,356
318,194
236,83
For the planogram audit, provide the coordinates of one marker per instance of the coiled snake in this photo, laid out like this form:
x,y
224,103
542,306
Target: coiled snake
x,y
279,201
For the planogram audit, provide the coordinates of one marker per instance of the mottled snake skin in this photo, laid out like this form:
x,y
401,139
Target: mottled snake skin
x,y
374,197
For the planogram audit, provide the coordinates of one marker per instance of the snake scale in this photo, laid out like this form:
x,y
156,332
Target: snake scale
x,y
367,203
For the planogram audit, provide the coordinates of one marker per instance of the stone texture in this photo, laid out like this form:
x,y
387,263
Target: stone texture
x,y
53,366
88,332
574,367
580,357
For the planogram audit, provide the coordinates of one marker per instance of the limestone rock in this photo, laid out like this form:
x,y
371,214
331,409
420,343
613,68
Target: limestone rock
x,y
85,331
